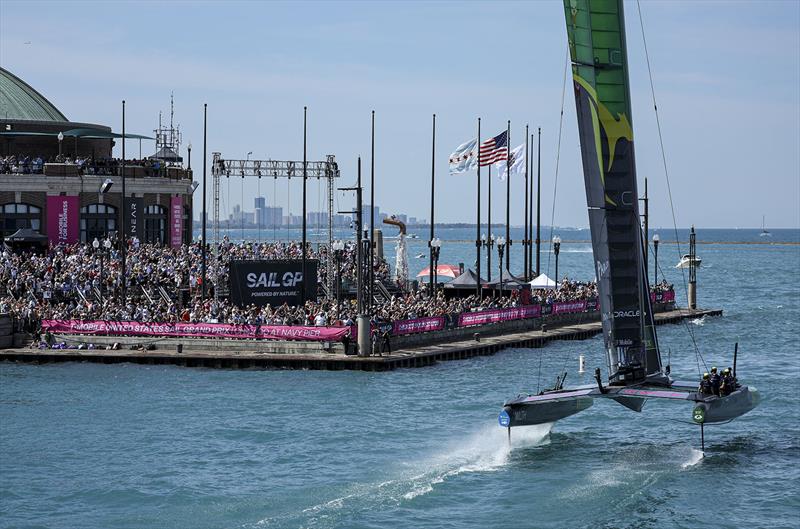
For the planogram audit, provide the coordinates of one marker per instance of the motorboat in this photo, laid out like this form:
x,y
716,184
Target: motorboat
x,y
687,259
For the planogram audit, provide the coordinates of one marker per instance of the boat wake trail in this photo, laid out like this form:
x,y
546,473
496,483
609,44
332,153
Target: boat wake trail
x,y
696,457
486,450
699,321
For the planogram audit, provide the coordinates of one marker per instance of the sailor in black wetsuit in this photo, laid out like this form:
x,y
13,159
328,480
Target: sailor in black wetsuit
x,y
705,385
728,383
715,381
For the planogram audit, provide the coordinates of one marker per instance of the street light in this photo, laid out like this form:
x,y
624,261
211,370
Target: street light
x,y
556,248
338,249
488,244
106,248
60,139
436,247
656,240
501,246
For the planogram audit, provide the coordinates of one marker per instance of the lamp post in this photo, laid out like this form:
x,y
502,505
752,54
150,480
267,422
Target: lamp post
x,y
556,249
488,244
106,247
338,249
656,240
436,247
190,157
501,246
60,139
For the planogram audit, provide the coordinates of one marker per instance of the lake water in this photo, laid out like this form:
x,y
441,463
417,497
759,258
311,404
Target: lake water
x,y
130,446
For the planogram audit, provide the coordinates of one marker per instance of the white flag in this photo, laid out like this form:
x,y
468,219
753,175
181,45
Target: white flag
x,y
465,158
517,163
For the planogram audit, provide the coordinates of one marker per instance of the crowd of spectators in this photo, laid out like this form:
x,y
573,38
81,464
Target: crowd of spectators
x,y
87,165
67,283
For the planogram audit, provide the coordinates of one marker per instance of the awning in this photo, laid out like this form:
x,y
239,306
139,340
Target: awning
x,y
468,281
80,133
26,235
543,282
442,270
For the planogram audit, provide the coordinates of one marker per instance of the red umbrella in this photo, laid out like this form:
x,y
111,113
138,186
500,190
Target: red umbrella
x,y
442,270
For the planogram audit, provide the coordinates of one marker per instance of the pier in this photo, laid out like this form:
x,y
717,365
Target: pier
x,y
242,354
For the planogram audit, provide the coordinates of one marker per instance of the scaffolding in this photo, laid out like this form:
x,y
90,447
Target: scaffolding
x,y
327,169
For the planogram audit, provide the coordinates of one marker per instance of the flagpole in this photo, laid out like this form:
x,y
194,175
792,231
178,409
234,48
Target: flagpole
x,y
489,230
508,196
538,203
371,275
525,237
433,181
530,212
305,174
478,224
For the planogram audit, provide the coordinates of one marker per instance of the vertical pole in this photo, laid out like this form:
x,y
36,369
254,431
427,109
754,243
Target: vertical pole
x,y
433,188
478,223
539,204
489,229
205,160
525,235
646,231
362,321
530,213
508,194
305,174
122,223
371,288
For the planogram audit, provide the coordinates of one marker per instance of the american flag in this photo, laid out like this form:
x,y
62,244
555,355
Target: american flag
x,y
494,149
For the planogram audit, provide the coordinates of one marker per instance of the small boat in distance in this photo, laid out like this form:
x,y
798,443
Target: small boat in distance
x,y
686,259
764,232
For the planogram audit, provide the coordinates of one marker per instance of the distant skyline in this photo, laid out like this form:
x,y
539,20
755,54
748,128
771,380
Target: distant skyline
x,y
727,82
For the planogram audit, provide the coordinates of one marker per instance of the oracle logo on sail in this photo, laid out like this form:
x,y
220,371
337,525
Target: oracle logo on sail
x,y
626,313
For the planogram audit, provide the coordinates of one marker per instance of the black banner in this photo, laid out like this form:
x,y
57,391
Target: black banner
x,y
134,218
272,282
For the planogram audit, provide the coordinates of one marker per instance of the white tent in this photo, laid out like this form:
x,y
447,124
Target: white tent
x,y
543,282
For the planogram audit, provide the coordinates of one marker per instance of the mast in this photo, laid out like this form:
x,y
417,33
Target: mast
x,y
596,34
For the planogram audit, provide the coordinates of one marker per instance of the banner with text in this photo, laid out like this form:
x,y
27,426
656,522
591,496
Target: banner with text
x,y
495,315
175,221
568,307
134,218
433,323
662,297
63,214
272,282
200,330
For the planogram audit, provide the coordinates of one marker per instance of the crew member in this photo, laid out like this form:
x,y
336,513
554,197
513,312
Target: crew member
x,y
705,385
728,382
715,381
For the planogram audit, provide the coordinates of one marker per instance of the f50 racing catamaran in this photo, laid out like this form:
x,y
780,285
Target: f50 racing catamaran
x,y
596,33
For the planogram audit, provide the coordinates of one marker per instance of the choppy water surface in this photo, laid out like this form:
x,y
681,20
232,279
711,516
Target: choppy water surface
x,y
97,446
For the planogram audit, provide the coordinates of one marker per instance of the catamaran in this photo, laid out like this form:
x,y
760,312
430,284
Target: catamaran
x,y
596,33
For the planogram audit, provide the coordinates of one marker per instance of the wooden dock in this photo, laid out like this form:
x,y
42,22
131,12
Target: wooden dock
x,y
420,356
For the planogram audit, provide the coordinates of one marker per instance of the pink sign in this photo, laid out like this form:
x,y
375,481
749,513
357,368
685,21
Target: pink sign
x,y
62,219
566,307
662,297
199,330
176,221
495,315
433,323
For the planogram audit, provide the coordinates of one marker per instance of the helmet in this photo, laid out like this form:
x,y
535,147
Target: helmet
x,y
705,376
726,371
714,369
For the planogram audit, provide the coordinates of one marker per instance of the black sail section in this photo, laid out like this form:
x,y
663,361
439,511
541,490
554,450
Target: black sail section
x,y
599,65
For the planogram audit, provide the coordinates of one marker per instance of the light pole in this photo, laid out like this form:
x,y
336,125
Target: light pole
x,y
488,244
60,139
501,246
190,157
436,247
106,248
556,249
338,248
656,240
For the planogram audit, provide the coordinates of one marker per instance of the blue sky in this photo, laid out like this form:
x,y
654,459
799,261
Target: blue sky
x,y
727,80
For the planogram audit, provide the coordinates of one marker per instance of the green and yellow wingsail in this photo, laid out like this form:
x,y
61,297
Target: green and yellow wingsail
x,y
596,34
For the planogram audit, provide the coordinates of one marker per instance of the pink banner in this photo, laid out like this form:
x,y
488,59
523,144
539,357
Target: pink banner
x,y
433,323
176,221
62,219
198,330
493,316
567,307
